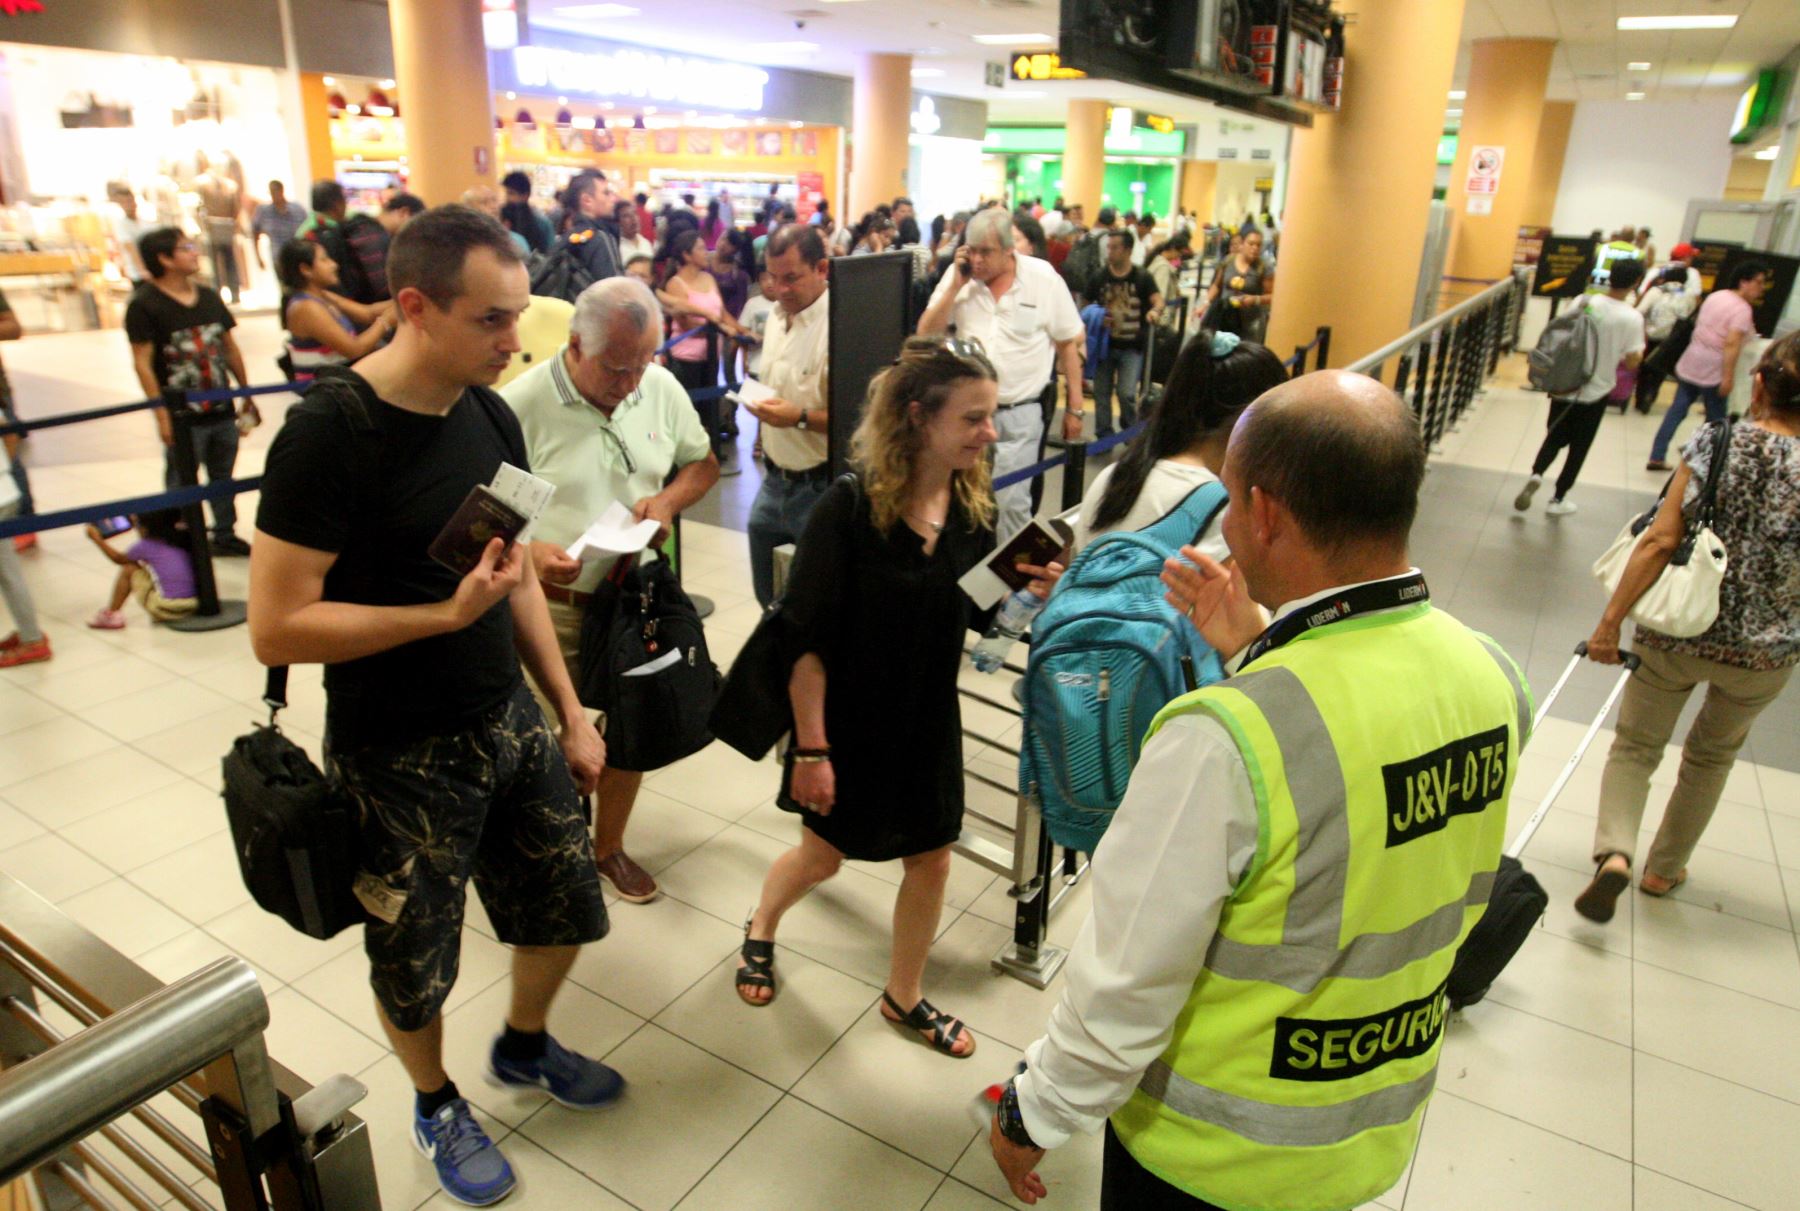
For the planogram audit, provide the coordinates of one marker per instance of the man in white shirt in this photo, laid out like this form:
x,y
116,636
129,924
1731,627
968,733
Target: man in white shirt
x,y
1575,421
127,230
632,241
605,423
1231,916
1023,315
796,423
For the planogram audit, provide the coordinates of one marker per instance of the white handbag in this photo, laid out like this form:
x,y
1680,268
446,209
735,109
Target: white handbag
x,y
1684,600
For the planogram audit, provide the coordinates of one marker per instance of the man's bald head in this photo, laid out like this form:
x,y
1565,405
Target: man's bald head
x,y
1340,452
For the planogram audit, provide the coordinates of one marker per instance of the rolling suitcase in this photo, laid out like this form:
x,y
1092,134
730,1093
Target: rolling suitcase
x,y
1517,901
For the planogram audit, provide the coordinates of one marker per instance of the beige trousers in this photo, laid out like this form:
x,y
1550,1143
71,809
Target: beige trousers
x,y
1647,715
566,619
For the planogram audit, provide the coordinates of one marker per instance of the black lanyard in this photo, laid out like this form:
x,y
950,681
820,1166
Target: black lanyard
x,y
1363,599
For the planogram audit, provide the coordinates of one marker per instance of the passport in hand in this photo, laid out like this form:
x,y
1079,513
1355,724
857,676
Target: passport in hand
x,y
481,518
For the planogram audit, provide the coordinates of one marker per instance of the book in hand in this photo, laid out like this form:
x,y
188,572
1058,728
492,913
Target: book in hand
x,y
1043,541
481,518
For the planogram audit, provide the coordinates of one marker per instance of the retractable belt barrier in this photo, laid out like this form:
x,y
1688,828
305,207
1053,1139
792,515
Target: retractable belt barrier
x,y
212,613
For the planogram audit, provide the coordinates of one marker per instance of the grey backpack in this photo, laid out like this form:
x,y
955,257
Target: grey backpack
x,y
1563,360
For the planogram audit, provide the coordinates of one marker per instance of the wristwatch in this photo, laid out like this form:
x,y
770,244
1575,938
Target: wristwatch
x,y
1012,1123
801,423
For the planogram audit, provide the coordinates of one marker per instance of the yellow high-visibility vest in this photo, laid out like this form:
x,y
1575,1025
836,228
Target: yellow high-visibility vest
x,y
1381,750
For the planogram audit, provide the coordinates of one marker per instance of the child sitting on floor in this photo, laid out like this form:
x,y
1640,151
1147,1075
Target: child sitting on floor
x,y
156,569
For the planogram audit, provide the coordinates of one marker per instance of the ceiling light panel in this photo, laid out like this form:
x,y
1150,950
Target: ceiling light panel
x,y
1015,39
1678,22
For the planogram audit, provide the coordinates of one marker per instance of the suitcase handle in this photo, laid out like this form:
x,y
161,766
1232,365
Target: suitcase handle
x,y
1628,659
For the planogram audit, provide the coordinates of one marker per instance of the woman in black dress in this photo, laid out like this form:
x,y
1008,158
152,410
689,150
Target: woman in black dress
x,y
874,613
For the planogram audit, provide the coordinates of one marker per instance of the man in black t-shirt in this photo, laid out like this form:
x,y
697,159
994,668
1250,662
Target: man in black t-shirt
x,y
428,721
180,334
1133,306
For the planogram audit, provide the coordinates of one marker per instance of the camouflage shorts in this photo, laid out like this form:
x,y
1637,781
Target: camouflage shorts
x,y
493,801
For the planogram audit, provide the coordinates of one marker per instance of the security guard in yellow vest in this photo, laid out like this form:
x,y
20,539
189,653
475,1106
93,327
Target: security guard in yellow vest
x,y
1255,1006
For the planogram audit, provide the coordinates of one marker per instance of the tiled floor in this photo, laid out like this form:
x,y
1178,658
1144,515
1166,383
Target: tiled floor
x,y
1649,1065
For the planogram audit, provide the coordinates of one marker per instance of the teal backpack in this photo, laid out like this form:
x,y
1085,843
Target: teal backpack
x,y
1106,655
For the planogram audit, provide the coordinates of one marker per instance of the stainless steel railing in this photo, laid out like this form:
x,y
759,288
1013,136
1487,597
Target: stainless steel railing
x,y
81,1072
1440,365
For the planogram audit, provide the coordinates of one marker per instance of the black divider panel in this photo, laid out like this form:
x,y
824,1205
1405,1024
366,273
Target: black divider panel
x,y
871,317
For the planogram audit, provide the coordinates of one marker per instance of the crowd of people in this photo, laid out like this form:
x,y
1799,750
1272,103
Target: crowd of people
x,y
1224,927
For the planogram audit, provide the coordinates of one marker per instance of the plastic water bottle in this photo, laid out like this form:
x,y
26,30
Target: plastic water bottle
x,y
1015,616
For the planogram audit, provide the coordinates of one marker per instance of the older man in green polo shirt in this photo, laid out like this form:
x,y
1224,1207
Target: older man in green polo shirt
x,y
604,423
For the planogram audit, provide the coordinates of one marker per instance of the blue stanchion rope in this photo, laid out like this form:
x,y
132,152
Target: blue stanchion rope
x,y
87,514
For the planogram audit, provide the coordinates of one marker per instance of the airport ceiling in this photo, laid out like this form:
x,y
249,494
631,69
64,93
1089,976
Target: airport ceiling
x,y
1594,59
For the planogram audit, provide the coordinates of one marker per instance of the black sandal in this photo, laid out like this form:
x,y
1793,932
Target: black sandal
x,y
758,970
938,1028
1599,898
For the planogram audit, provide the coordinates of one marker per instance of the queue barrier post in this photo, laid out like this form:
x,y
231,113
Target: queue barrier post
x,y
1074,479
1323,339
213,614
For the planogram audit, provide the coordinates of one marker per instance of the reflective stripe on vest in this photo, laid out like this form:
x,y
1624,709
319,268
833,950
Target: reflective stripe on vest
x,y
1309,951
1286,1126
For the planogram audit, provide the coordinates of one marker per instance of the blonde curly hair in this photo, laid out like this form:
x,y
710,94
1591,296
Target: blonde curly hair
x,y
886,446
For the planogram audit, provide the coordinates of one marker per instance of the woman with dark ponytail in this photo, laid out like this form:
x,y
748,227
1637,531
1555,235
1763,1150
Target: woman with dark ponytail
x,y
1182,447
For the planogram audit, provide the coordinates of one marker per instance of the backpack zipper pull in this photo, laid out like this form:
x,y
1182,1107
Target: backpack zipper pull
x,y
1105,684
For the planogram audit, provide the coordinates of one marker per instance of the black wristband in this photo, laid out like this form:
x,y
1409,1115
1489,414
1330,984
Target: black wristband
x,y
811,752
1012,1123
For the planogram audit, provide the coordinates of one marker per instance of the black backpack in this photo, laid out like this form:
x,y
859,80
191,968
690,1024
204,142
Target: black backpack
x,y
658,706
1083,263
560,275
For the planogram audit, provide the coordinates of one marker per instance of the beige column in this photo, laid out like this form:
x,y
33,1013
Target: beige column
x,y
440,62
1199,188
1367,169
1547,163
880,132
1084,156
1503,111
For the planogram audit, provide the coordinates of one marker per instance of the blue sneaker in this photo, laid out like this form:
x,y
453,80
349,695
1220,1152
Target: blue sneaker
x,y
469,1166
572,1080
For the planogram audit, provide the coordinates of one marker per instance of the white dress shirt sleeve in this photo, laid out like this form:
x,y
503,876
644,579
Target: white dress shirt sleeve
x,y
1177,847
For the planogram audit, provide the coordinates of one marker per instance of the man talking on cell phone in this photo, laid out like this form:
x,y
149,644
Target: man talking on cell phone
x,y
1019,310
796,423
429,725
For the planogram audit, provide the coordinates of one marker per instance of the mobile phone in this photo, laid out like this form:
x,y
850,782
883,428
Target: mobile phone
x,y
109,526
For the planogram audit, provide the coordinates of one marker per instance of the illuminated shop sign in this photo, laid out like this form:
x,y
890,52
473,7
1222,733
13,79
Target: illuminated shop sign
x,y
642,74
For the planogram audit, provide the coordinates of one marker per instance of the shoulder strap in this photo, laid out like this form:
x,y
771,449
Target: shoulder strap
x,y
1715,473
1189,519
331,387
275,690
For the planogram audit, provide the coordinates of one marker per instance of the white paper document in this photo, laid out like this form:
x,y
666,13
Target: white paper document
x,y
668,658
524,492
615,533
751,392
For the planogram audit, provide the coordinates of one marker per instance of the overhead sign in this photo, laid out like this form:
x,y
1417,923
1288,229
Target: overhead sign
x,y
1753,108
644,74
1563,266
1484,169
1042,65
994,74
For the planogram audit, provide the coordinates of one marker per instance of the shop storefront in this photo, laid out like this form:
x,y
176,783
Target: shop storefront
x,y
655,123
666,124
195,142
1143,168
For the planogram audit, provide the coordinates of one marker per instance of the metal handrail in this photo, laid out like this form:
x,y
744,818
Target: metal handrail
x,y
55,1098
1370,362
